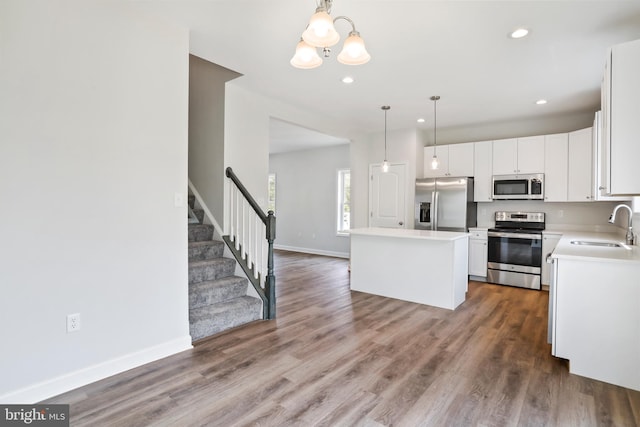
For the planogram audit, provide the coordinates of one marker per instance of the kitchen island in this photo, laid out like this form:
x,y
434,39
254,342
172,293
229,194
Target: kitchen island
x,y
422,266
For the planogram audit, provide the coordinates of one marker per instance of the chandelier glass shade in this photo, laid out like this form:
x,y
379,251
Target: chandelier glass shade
x,y
321,33
306,56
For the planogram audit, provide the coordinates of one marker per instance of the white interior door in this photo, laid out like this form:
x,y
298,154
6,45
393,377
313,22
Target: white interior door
x,y
387,196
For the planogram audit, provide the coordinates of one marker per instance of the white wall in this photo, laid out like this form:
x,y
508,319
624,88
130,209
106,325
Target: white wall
x,y
511,129
403,146
561,215
206,131
247,116
93,149
307,200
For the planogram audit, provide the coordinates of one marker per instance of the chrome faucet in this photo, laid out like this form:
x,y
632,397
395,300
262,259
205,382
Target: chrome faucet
x,y
612,218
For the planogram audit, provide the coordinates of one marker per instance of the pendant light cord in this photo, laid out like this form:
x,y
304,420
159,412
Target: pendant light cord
x,y
435,120
385,134
385,108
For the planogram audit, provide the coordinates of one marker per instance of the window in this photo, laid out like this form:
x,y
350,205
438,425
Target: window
x,y
344,201
271,202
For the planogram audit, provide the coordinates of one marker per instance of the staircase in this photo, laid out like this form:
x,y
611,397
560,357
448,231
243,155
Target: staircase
x,y
218,299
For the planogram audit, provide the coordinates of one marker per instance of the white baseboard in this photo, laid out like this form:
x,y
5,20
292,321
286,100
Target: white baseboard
x,y
312,251
64,383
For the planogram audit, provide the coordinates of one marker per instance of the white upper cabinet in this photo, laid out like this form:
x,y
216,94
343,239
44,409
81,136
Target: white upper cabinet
x,y
580,166
518,155
505,156
483,171
556,158
454,160
600,159
621,126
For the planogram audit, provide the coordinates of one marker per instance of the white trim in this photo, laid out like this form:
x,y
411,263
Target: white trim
x,y
312,251
204,207
67,382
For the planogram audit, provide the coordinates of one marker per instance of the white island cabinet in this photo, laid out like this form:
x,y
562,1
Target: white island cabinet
x,y
422,266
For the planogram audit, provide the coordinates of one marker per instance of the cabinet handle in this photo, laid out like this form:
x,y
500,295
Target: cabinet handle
x,y
602,188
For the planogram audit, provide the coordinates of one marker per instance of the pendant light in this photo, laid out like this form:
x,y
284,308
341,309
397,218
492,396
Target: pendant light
x,y
385,164
434,162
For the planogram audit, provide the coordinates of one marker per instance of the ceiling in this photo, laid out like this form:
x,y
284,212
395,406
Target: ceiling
x,y
459,50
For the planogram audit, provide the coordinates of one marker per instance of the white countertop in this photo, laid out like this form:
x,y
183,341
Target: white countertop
x,y
409,233
567,250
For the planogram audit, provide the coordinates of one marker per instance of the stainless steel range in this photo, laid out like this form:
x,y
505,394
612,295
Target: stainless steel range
x,y
515,249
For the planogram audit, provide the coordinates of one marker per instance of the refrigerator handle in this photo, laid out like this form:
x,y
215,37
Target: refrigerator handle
x,y
434,213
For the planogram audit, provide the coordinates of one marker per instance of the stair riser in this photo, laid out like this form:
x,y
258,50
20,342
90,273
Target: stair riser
x,y
203,273
223,317
199,213
198,253
200,233
217,292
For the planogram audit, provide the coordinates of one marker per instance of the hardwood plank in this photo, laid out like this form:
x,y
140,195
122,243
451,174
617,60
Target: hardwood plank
x,y
334,357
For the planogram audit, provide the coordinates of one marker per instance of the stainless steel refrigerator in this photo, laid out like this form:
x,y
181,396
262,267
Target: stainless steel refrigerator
x,y
445,204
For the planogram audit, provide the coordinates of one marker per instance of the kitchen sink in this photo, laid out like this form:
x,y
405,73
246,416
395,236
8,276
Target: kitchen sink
x,y
600,244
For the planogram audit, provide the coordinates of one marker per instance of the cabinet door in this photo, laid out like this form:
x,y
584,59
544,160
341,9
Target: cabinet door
x,y
442,152
580,166
624,126
461,159
531,154
555,167
504,156
549,243
478,257
599,160
483,170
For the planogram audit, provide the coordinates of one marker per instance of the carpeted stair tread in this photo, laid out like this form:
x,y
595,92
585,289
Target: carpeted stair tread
x,y
210,269
217,291
205,249
214,318
200,232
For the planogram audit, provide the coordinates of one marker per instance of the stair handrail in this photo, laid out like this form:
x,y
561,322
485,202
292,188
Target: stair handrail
x,y
268,293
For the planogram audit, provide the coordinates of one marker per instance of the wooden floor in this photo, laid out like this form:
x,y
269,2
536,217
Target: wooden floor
x,y
339,358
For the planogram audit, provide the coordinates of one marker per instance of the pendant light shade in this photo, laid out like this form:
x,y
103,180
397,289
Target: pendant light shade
x,y
435,164
306,56
385,163
353,51
321,32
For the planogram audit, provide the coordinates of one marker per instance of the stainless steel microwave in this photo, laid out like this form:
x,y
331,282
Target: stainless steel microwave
x,y
518,187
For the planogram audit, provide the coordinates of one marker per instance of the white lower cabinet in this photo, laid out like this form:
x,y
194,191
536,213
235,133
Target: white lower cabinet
x,y
478,253
549,242
596,319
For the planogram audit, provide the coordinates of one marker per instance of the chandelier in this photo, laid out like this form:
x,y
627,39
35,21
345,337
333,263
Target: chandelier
x,y
321,33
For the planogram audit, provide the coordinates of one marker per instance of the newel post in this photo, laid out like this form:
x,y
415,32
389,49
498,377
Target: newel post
x,y
270,284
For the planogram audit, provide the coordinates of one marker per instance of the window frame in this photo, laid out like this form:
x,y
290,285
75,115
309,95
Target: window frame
x,y
340,230
271,201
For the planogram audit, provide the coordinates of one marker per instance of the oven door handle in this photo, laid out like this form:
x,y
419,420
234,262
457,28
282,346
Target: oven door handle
x,y
514,235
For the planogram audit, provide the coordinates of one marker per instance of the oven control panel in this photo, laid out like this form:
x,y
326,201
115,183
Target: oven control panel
x,y
520,216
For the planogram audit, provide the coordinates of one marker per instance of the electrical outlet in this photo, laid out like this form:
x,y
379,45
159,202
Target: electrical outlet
x,y
73,322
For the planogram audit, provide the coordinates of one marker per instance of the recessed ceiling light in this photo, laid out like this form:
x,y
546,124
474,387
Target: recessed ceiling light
x,y
519,33
347,79
541,101
421,120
